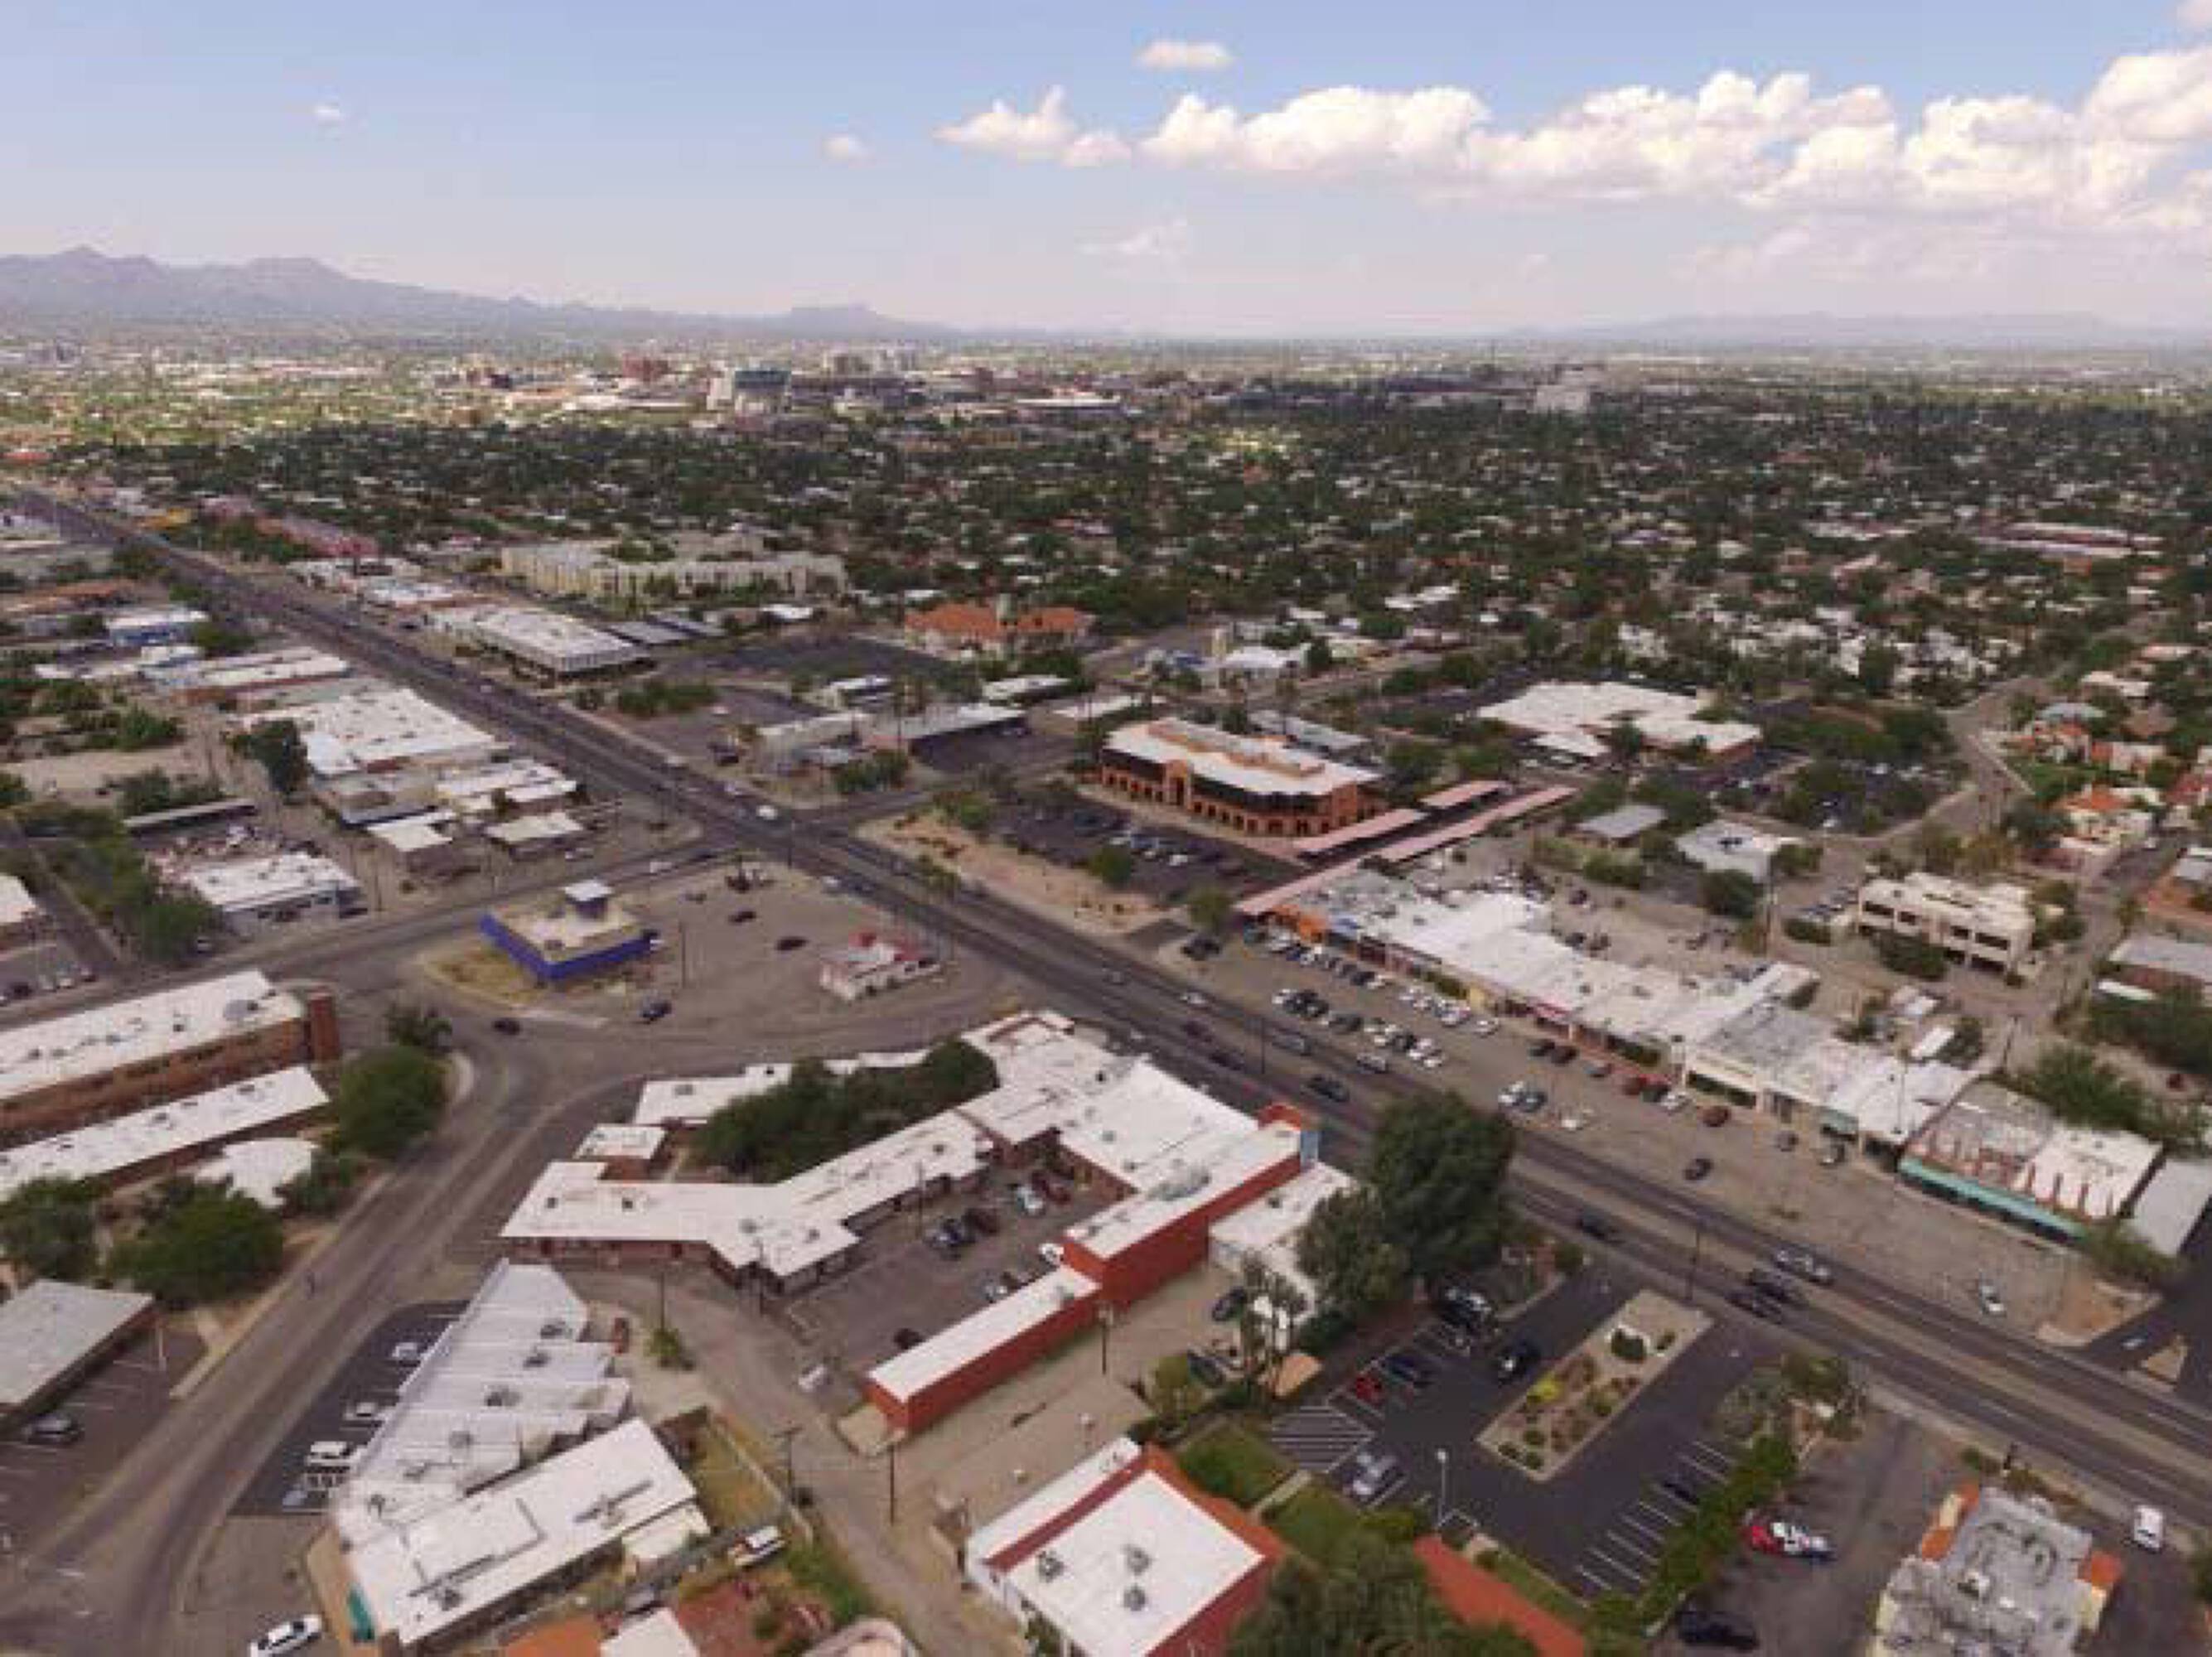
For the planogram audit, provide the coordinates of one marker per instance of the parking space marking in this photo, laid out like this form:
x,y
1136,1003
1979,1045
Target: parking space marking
x,y
1613,1539
1643,1530
1359,1409
1628,1571
1320,1437
1609,1574
1696,1453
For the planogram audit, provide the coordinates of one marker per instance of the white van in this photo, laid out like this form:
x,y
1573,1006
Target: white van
x,y
2148,1531
332,1455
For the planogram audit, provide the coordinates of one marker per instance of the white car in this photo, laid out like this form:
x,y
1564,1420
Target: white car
x,y
1026,1199
333,1455
1485,1027
1053,1255
1992,1301
1576,1120
1373,1472
287,1638
2148,1531
366,1411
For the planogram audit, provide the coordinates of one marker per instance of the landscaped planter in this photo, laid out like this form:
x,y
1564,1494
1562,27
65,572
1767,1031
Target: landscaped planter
x,y
1570,1404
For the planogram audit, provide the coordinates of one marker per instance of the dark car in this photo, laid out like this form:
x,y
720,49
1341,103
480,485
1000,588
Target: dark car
x,y
1697,1625
1227,1308
1463,1308
508,1026
1682,1490
1751,1301
1774,1288
1327,1087
787,944
1226,1059
1697,1168
1409,1370
906,1339
1563,1055
654,1011
1596,1225
1205,1371
1540,1049
1195,1028
980,1220
738,916
1053,1189
1516,1361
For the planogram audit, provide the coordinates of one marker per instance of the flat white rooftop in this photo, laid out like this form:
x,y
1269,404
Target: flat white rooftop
x,y
47,1328
376,730
79,1045
459,1561
246,885
546,635
1582,712
107,1149
17,907
1253,765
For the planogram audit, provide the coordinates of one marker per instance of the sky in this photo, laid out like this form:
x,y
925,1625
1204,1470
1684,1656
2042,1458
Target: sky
x,y
1395,167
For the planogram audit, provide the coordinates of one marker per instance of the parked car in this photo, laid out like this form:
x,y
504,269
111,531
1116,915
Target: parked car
x,y
654,1010
1715,1115
1697,1625
1367,1386
1372,1473
1515,1361
757,1546
1463,1308
1596,1225
1026,1199
1697,1168
980,1220
287,1638
409,1352
1991,1300
364,1411
1227,1308
55,1429
906,1339
333,1455
1052,1189
1408,1371
1205,1371
1053,1254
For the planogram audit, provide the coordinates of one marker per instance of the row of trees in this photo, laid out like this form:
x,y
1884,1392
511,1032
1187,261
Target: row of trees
x,y
816,1114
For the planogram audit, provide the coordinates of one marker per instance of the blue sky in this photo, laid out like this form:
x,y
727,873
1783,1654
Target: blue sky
x,y
1294,166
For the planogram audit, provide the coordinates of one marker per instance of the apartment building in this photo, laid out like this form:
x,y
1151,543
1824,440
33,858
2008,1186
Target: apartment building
x,y
87,1066
1262,786
1992,927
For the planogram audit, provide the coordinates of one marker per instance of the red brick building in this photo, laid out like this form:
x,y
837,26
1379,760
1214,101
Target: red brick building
x,y
1259,786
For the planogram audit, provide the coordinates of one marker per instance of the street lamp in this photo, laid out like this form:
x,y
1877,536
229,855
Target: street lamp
x,y
1444,1479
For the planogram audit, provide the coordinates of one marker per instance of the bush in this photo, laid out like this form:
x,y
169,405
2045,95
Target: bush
x,y
327,1184
1628,1346
209,1245
1914,957
46,1229
387,1100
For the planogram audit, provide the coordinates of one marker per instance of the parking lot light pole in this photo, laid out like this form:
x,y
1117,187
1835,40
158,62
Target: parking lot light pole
x,y
1443,1481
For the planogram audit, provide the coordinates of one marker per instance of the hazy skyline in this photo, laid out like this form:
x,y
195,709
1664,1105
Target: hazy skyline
x,y
1221,168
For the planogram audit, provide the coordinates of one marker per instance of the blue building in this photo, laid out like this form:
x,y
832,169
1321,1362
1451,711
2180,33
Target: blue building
x,y
580,932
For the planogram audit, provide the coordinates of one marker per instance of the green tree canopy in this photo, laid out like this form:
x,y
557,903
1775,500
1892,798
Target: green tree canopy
x,y
207,1245
1439,1173
388,1099
47,1230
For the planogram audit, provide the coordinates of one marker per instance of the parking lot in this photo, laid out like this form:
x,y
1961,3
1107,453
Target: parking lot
x,y
1598,1526
39,968
1168,863
284,1484
115,1406
903,1282
826,658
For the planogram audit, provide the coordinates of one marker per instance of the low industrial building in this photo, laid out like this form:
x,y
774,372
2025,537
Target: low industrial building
x,y
377,730
104,1061
538,834
1997,1574
1723,848
2161,965
1622,827
167,1136
548,643
252,893
248,678
169,625
1260,786
53,1334
584,569
618,1499
581,932
1123,1555
1990,927
1577,720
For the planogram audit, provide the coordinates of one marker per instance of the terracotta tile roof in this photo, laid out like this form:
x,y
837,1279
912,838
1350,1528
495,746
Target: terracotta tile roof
x,y
1474,1596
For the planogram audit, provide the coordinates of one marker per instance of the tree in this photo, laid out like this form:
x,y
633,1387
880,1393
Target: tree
x,y
2035,827
424,1028
1112,866
324,1187
1173,1392
1209,908
277,746
1439,1173
1346,1249
387,1100
208,1245
1370,1596
1730,892
1319,659
46,1229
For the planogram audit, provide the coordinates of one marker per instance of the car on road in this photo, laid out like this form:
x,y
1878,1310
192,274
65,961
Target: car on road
x,y
1368,1387
2148,1531
1803,1263
1408,1371
1751,1301
786,944
1774,1287
54,1430
287,1638
1515,1361
367,1411
654,1010
1462,1307
1230,1306
1372,1473
1329,1087
1990,1300
1596,1225
1697,1168
508,1026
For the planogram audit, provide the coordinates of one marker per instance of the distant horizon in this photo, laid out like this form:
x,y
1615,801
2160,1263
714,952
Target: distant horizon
x,y
1978,328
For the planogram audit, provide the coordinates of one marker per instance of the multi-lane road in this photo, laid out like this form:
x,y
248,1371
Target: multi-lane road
x,y
2057,1408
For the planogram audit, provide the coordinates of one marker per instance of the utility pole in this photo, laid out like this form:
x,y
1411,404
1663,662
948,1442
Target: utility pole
x,y
1696,1254
1443,1482
790,1480
1105,1335
891,1465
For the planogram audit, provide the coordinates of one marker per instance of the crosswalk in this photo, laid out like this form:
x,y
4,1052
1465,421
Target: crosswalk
x,y
1621,1558
1320,1437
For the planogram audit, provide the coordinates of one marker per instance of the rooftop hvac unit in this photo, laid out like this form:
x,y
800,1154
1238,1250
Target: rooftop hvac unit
x,y
449,1597
1132,1598
537,1358
552,1329
1048,1565
1137,1559
499,1397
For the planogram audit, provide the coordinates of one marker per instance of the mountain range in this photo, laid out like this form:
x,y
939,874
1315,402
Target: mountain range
x,y
83,290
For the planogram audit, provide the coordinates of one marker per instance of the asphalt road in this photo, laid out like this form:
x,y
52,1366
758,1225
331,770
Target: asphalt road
x,y
2059,1409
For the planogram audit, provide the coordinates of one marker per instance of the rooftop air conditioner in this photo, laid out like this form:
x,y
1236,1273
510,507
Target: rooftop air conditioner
x,y
1132,1598
1048,1565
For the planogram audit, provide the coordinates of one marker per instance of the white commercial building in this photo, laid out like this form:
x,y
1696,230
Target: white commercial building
x,y
147,1141
1576,719
1724,847
223,676
549,643
249,893
378,729
584,569
19,913
457,1567
52,1333
1992,927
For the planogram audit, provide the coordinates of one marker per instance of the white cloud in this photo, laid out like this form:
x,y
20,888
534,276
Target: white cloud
x,y
1339,130
2194,13
1192,57
846,148
1046,133
327,114
1164,243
